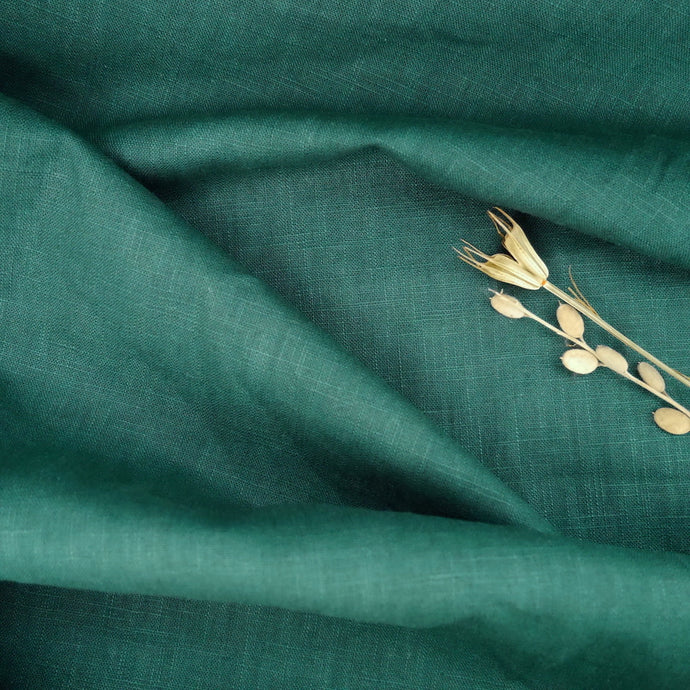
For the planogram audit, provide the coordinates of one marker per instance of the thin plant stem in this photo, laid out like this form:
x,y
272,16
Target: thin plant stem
x,y
591,314
625,374
664,396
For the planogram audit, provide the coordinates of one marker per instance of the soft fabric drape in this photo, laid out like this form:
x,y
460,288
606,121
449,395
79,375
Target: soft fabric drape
x,y
259,428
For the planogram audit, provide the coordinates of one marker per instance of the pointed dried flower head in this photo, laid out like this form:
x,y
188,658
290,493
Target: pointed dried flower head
x,y
612,359
570,321
651,376
523,268
579,361
507,305
517,245
672,421
500,267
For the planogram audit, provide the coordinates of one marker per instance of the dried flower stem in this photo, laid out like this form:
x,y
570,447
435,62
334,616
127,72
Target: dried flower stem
x,y
523,267
587,311
663,396
580,342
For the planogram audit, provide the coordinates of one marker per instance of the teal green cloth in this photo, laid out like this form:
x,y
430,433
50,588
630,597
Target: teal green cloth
x,y
259,428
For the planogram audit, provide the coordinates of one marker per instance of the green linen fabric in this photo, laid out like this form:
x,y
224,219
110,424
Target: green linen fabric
x,y
259,428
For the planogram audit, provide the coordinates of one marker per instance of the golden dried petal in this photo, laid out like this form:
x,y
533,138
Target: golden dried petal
x,y
651,376
612,359
507,305
673,421
499,266
570,321
507,270
579,361
516,243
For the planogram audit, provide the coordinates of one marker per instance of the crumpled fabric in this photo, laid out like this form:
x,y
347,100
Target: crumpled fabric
x,y
258,426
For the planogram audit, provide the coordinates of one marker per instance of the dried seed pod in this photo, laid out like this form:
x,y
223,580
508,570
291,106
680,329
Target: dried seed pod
x,y
612,359
507,305
579,361
570,321
673,421
651,376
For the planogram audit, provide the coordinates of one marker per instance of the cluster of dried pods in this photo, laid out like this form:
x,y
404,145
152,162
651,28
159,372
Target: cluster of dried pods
x,y
523,267
583,359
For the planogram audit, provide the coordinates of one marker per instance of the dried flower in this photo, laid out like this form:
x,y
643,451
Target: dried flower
x,y
518,246
500,267
524,268
584,360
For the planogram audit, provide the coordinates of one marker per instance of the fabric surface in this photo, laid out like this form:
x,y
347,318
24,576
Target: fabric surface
x,y
259,428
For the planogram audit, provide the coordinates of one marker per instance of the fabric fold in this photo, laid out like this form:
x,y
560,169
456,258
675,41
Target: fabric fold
x,y
529,599
137,318
259,427
632,184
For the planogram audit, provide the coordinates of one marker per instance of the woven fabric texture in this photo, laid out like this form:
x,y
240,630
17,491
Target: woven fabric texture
x,y
259,427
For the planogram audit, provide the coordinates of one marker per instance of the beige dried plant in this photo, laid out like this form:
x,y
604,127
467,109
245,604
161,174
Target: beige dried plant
x,y
523,267
583,359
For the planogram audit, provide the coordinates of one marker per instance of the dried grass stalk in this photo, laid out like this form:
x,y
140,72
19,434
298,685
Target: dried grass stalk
x,y
523,267
584,360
